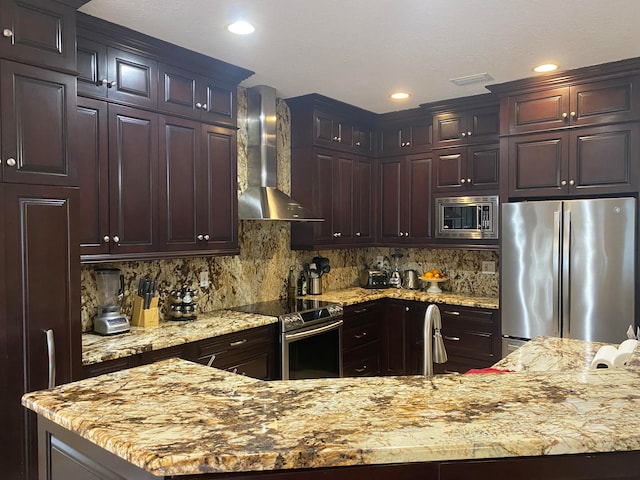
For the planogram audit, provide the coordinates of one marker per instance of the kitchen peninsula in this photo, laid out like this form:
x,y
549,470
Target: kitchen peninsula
x,y
179,418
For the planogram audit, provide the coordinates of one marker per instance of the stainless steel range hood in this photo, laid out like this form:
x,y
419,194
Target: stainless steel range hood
x,y
262,200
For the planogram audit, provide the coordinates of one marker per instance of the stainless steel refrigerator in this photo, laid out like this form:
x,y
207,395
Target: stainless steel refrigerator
x,y
568,270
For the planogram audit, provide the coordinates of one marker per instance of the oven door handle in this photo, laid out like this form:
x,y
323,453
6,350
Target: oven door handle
x,y
291,337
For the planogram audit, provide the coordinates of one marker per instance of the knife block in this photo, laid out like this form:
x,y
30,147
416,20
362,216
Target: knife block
x,y
142,317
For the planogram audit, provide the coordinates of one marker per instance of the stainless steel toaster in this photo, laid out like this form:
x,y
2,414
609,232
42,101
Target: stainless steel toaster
x,y
374,279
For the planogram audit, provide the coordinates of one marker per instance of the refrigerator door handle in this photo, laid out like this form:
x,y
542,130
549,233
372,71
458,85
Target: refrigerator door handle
x,y
557,272
566,275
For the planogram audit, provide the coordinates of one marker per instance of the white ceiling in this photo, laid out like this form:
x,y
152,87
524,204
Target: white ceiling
x,y
359,51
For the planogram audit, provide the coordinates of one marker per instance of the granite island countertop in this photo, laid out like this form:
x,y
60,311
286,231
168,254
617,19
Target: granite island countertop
x,y
176,417
97,348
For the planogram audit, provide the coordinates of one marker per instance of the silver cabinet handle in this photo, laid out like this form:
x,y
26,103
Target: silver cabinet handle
x,y
204,107
468,180
573,115
239,342
106,239
116,239
563,182
362,310
200,237
211,359
360,335
453,339
572,182
463,134
451,312
198,105
462,180
406,234
360,370
564,115
11,162
469,134
406,309
452,372
7,32
401,234
51,357
206,236
111,84
357,234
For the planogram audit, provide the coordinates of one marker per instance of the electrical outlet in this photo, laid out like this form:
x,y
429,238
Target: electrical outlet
x,y
379,261
204,279
489,268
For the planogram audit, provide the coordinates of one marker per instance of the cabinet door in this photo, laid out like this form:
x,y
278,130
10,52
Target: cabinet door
x,y
135,77
390,140
41,33
421,135
42,268
323,197
92,68
616,100
604,159
483,167
218,101
414,318
391,199
38,121
394,339
179,172
536,111
419,209
177,91
133,180
363,201
343,201
92,146
450,169
218,190
362,139
538,164
450,128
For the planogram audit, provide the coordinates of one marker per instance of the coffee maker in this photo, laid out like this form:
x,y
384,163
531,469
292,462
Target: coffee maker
x,y
110,285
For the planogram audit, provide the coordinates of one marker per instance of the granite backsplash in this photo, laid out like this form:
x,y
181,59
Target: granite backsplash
x,y
260,271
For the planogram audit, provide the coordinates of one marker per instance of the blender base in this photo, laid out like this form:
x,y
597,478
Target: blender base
x,y
111,324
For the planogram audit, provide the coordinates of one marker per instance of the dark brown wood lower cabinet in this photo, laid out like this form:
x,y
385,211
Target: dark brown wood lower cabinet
x,y
65,455
41,292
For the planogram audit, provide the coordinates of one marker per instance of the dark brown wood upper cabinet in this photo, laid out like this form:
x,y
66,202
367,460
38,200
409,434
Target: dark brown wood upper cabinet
x,y
406,205
121,76
479,125
189,94
592,103
593,160
39,32
38,116
415,135
462,169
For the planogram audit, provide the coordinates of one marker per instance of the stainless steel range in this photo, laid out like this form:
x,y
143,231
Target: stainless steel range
x,y
310,336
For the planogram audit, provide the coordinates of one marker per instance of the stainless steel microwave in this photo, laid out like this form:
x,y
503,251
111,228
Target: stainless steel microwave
x,y
467,217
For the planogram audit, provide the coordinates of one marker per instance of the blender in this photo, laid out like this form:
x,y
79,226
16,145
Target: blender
x,y
395,280
110,291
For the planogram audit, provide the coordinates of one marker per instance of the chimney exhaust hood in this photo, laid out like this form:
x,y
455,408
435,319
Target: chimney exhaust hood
x,y
262,200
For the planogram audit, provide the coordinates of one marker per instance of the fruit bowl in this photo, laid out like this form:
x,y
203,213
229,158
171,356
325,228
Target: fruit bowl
x,y
434,288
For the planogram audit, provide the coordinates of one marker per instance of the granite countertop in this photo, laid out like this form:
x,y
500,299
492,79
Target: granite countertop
x,y
97,348
176,417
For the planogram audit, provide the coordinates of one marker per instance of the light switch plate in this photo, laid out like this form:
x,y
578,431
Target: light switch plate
x,y
204,279
489,268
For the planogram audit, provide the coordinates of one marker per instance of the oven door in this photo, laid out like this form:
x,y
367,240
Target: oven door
x,y
313,352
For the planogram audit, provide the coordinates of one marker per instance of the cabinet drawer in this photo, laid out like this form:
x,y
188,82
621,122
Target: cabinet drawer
x,y
110,366
163,354
471,333
225,347
360,334
255,365
364,361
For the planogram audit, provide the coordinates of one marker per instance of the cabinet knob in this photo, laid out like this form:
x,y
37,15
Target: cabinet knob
x,y
462,180
204,106
406,234
206,237
198,105
103,81
463,134
573,115
357,144
563,182
408,144
564,116
116,239
11,162
406,309
7,32
401,234
111,84
469,133
106,239
468,180
357,234
572,182
200,237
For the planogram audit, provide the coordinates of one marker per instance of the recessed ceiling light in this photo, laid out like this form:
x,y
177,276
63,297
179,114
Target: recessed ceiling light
x,y
399,95
545,67
241,28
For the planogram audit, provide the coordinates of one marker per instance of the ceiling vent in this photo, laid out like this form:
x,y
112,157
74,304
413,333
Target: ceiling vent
x,y
469,79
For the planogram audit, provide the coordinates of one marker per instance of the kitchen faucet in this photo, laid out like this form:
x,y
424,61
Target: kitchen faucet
x,y
433,322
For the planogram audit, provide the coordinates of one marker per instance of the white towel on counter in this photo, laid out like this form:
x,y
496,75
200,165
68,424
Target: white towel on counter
x,y
612,357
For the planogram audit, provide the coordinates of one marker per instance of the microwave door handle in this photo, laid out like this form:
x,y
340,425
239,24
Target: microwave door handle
x,y
290,337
